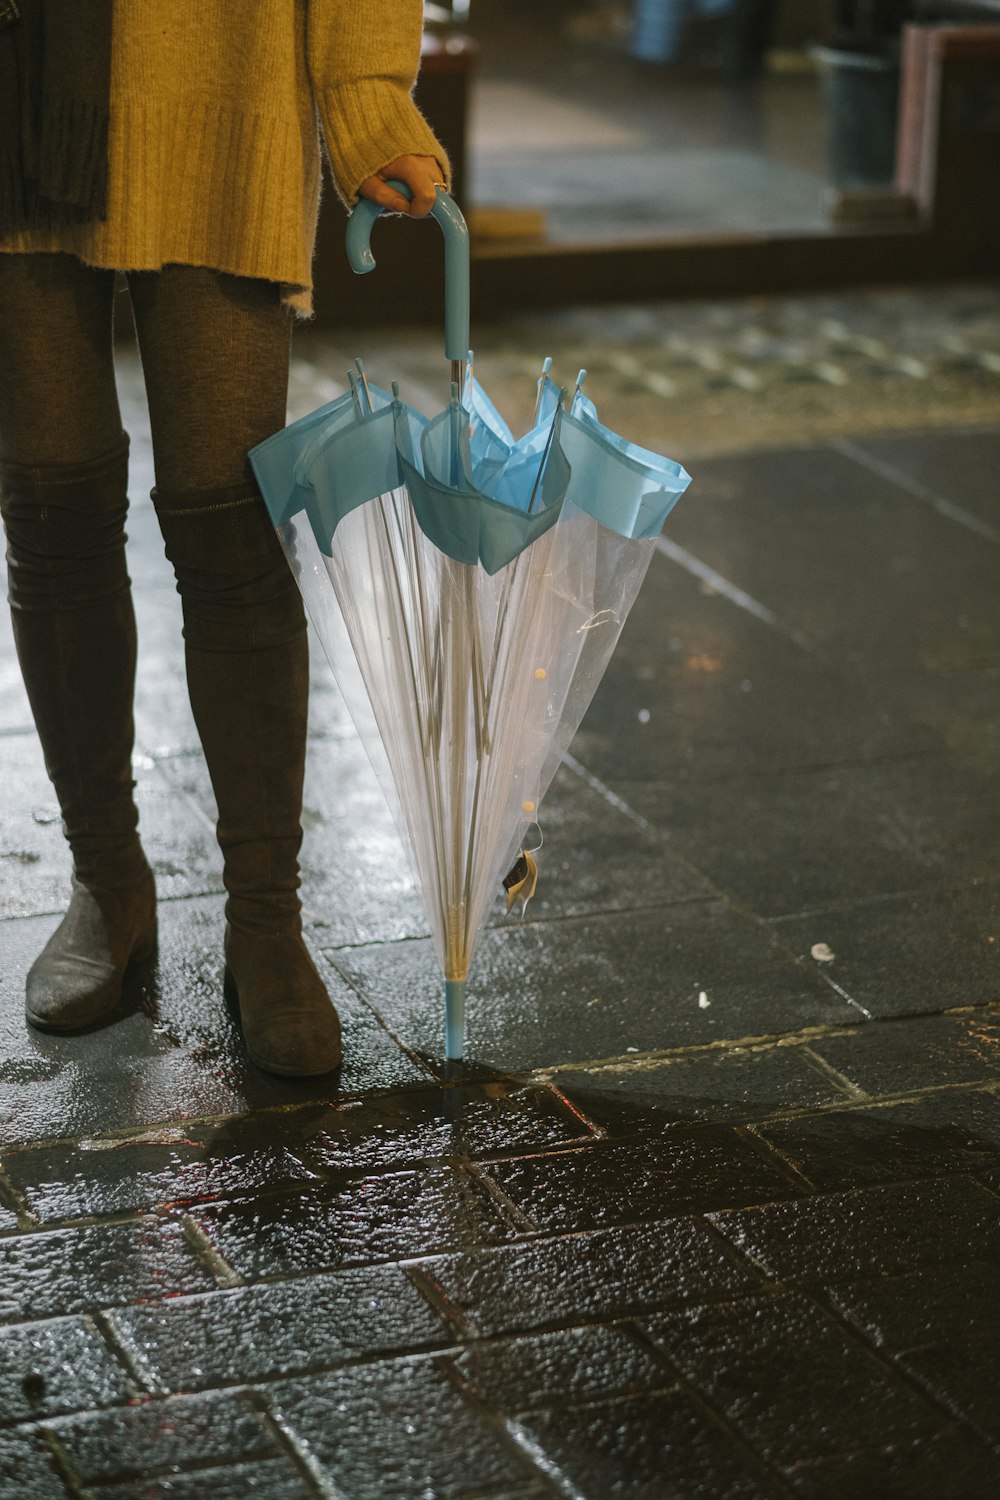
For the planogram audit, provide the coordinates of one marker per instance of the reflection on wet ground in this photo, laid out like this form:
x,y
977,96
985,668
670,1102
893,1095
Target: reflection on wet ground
x,y
714,1207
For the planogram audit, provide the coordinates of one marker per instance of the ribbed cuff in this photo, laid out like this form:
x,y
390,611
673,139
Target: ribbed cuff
x,y
367,125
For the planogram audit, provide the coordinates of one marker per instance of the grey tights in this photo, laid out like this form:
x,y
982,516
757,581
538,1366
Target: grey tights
x,y
214,352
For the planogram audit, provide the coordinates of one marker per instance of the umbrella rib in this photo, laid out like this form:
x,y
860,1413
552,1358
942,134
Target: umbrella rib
x,y
428,778
431,741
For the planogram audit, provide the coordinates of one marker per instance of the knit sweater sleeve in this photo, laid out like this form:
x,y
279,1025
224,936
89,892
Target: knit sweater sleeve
x,y
363,58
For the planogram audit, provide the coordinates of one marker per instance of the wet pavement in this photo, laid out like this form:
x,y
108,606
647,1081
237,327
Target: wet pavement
x,y
714,1209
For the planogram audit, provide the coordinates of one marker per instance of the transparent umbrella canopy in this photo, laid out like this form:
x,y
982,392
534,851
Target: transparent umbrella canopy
x,y
468,590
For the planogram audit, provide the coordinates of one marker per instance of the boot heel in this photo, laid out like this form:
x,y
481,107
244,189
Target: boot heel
x,y
280,1004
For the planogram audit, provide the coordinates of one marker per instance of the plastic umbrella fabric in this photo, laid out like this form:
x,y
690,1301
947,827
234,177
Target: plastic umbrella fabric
x,y
468,590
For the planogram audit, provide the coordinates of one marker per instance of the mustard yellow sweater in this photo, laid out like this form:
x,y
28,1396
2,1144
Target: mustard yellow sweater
x,y
214,148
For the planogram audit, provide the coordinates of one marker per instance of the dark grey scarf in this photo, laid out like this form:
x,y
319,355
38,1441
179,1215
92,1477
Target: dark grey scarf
x,y
55,75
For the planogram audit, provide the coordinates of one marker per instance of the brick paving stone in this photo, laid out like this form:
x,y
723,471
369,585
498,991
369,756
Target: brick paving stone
x,y
943,1327
263,1332
27,1471
954,1131
936,1306
411,1126
573,1365
900,1057
175,1167
882,1231
729,696
652,1447
732,1085
791,840
34,859
371,1219
599,1274
8,1218
160,1434
69,1271
59,1365
263,1479
942,1468
684,1170
395,1430
909,954
544,994
790,1380
965,1378
835,517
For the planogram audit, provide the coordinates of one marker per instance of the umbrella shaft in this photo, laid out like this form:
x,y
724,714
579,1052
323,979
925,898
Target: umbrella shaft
x,y
454,1019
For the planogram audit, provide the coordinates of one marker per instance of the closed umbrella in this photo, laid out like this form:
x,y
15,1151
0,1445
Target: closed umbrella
x,y
468,590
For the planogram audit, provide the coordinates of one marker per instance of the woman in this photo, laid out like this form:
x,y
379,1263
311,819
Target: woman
x,y
180,145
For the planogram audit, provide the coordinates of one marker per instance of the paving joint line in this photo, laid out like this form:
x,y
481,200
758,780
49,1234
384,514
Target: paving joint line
x,y
856,453
763,1041
288,1442
739,1258
858,1336
726,589
208,1257
767,1151
372,1008
703,1402
599,1132
842,1082
132,1357
127,1135
62,1459
506,1429
505,926
27,1219
516,1218
437,1298
881,898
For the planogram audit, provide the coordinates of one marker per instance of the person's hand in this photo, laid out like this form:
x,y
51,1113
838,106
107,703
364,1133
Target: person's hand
x,y
422,175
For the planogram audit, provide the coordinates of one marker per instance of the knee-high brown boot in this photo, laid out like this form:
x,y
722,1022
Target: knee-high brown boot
x,y
247,668
74,629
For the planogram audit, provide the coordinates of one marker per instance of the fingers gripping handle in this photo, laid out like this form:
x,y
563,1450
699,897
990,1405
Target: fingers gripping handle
x,y
456,260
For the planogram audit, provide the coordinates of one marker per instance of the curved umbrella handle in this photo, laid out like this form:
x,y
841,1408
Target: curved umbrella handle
x,y
456,260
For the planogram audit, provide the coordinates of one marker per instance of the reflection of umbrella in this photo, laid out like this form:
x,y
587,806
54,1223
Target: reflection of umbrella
x,y
469,590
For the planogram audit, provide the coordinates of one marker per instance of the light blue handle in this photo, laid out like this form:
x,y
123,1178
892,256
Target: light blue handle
x,y
456,260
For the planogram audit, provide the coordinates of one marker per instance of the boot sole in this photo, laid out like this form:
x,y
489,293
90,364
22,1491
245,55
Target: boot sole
x,y
232,996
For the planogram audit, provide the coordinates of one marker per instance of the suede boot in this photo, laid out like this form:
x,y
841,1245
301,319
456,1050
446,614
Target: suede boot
x,y
74,630
247,670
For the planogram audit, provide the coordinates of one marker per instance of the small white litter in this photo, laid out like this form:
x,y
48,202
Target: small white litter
x,y
822,953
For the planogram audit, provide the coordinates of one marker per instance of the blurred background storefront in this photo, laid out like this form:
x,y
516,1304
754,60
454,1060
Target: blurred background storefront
x,y
648,148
